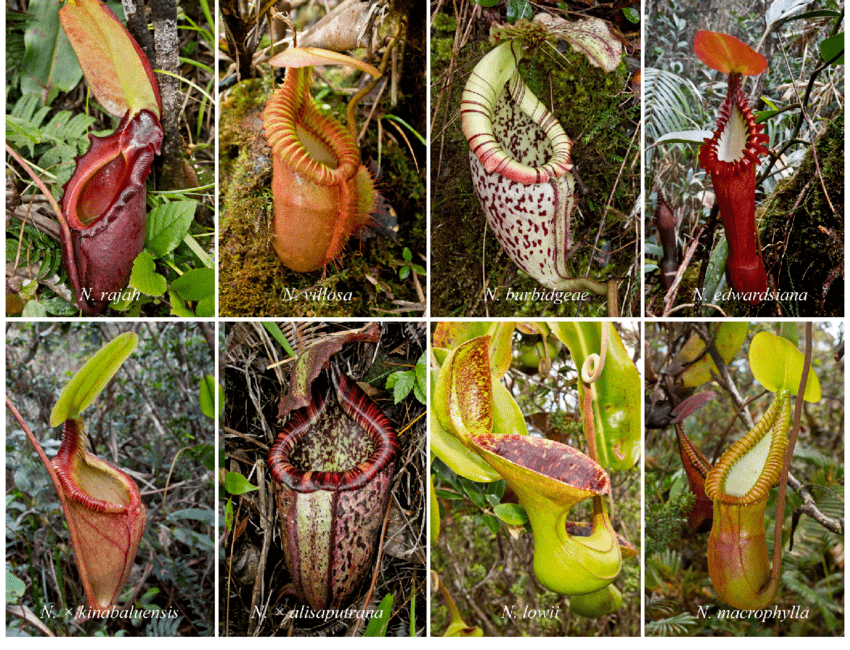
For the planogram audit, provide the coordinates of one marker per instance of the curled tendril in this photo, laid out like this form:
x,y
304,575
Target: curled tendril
x,y
594,364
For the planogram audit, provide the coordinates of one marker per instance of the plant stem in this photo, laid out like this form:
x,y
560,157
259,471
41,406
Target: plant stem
x,y
789,454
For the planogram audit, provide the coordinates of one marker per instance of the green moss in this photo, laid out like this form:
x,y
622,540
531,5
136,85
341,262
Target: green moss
x,y
441,48
444,23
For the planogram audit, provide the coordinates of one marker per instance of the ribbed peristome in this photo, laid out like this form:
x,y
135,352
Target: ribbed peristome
x,y
771,431
291,119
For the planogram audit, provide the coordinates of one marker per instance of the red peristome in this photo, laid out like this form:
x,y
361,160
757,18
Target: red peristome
x,y
104,204
72,453
359,408
727,54
696,468
733,174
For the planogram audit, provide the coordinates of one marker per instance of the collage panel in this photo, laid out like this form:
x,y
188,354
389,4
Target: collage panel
x,y
535,160
535,479
744,160
322,159
398,184
325,514
115,536
110,167
723,431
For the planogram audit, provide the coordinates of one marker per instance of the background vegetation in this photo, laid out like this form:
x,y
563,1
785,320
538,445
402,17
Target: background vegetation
x,y
149,423
799,188
813,570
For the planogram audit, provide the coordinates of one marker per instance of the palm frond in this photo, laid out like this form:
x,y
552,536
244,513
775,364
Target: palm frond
x,y
673,103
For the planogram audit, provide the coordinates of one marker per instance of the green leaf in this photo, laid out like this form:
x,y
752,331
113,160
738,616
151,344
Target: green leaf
x,y
407,255
123,300
422,370
199,252
209,387
403,272
632,15
419,393
145,278
59,307
402,383
486,3
473,491
788,330
167,225
653,249
205,515
206,307
491,522
685,137
378,624
511,513
496,489
178,306
49,60
777,365
434,506
716,272
517,9
195,284
228,516
92,378
34,309
274,330
832,47
237,484
15,588
448,495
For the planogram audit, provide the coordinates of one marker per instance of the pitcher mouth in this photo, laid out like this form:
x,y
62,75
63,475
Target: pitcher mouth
x,y
496,80
737,141
339,442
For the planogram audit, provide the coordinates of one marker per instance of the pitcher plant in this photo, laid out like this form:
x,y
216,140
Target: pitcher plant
x,y
480,433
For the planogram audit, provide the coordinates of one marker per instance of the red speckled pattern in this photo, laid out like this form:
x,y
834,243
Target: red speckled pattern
x,y
549,458
531,222
334,462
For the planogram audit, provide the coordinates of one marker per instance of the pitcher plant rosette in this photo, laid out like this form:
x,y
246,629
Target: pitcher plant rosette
x,y
481,437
